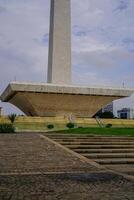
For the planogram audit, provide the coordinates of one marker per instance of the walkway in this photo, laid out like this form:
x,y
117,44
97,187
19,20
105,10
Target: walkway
x,y
32,167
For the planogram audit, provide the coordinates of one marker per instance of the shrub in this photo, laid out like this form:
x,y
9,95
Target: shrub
x,y
12,117
7,128
108,125
70,125
50,126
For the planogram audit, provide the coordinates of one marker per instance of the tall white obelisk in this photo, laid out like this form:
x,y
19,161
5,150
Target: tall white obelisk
x,y
59,60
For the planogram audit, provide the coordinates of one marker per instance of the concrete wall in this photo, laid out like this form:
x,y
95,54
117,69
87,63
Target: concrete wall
x,y
64,120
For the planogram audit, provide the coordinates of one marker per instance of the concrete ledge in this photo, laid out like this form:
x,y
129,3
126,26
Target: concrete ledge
x,y
39,99
65,89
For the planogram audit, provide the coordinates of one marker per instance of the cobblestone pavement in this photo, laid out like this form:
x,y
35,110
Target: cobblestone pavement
x,y
26,158
66,187
29,153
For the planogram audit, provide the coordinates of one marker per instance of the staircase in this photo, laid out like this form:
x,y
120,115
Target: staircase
x,y
99,122
116,153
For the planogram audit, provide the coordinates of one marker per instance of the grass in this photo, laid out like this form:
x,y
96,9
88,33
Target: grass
x,y
101,131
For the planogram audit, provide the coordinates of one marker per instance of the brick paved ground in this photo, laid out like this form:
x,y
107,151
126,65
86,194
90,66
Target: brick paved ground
x,y
30,154
66,187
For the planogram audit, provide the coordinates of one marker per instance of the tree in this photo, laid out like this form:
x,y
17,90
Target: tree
x,y
107,114
12,117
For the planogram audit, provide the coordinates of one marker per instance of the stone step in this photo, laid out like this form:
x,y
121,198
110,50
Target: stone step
x,y
108,155
97,143
104,150
78,136
69,135
115,161
122,168
100,146
92,140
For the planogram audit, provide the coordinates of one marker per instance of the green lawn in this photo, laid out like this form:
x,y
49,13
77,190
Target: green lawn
x,y
100,131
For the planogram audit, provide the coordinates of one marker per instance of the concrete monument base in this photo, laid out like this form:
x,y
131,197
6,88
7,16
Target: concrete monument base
x,y
53,100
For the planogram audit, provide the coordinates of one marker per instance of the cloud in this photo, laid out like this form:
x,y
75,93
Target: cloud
x,y
2,9
123,5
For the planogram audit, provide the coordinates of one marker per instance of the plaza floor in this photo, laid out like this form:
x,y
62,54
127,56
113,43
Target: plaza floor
x,y
32,167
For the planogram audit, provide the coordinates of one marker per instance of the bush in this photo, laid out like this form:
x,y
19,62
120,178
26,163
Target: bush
x,y
70,125
50,126
7,128
108,125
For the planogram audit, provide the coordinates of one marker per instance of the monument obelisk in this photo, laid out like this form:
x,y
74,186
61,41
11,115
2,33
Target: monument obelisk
x,y
59,59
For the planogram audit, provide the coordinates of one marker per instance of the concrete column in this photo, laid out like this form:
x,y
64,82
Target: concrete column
x,y
59,60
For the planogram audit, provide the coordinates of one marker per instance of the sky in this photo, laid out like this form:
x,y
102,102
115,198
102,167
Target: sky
x,y
102,43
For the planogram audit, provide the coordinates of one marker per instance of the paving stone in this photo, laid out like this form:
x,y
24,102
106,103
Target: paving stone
x,y
22,153
81,186
44,171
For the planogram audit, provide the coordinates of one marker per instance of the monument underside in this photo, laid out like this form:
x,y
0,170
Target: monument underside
x,y
35,104
55,100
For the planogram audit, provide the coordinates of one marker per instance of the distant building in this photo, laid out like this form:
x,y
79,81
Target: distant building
x,y
126,113
108,108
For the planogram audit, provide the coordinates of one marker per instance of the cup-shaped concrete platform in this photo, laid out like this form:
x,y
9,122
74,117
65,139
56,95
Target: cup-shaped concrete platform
x,y
51,100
